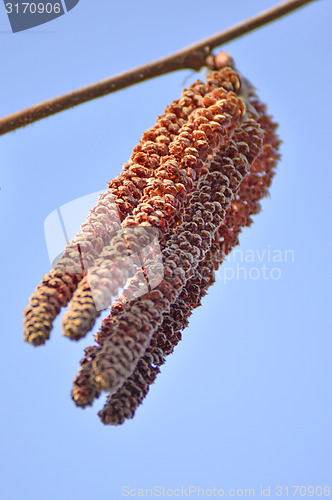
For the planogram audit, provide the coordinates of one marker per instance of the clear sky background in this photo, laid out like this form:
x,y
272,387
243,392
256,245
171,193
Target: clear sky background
x,y
245,400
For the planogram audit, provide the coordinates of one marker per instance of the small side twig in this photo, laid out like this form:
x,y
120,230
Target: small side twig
x,y
192,57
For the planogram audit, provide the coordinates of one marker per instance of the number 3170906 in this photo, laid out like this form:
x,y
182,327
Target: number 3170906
x,y
33,8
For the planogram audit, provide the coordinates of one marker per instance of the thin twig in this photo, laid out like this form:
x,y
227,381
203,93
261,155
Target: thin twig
x,y
191,57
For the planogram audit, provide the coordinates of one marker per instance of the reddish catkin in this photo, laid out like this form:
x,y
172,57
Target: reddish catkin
x,y
192,183
123,404
124,192
206,129
186,247
234,167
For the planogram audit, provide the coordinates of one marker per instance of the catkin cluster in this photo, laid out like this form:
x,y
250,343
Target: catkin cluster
x,y
193,182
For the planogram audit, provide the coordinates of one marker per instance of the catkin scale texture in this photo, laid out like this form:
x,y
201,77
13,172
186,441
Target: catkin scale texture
x,y
193,182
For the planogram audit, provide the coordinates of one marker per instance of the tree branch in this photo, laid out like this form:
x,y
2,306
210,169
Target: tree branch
x,y
194,57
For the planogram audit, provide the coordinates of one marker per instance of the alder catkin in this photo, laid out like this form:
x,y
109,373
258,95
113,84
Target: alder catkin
x,y
192,183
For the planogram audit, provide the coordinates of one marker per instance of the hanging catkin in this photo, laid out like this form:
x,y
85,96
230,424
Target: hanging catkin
x,y
193,182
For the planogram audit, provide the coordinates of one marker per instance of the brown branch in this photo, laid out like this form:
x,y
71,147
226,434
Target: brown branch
x,y
192,57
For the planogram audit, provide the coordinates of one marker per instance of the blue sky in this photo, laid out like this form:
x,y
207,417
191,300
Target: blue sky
x,y
245,400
